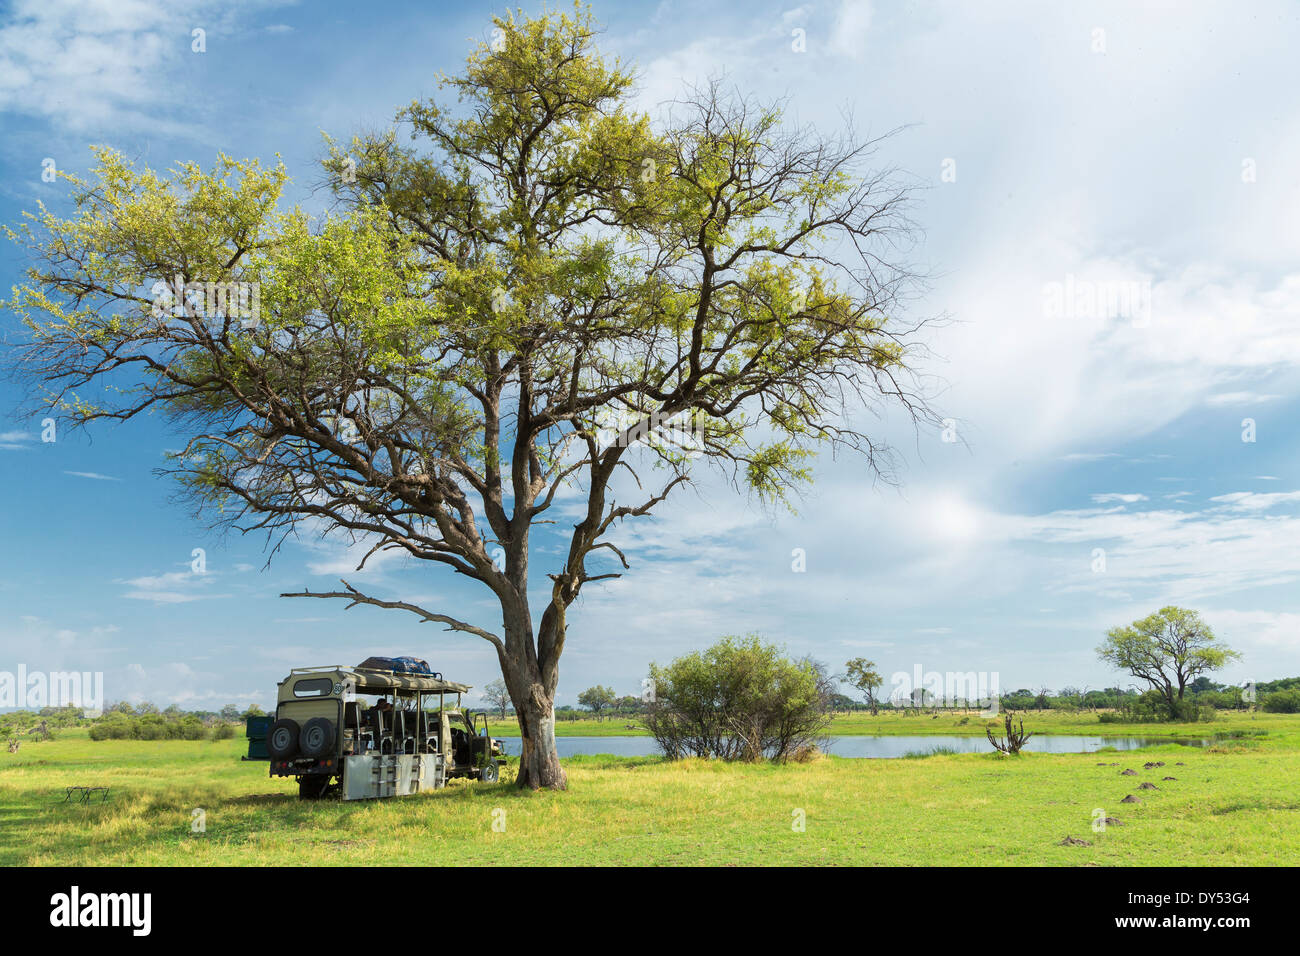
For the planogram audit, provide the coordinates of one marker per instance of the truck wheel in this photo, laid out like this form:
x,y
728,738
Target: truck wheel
x,y
317,738
282,739
491,772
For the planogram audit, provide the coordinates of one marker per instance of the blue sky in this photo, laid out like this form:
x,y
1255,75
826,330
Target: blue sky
x,y
1086,146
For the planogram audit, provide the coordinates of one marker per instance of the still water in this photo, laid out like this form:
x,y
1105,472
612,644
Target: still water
x,y
872,746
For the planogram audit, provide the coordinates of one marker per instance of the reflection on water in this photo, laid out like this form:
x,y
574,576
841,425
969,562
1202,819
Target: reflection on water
x,y
873,746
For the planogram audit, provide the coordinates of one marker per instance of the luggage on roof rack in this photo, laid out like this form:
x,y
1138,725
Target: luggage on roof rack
x,y
399,665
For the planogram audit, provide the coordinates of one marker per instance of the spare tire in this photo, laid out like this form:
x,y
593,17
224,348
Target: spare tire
x,y
282,739
317,738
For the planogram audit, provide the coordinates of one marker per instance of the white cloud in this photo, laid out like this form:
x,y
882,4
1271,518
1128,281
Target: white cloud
x,y
103,64
1257,632
338,557
1255,501
1239,398
1115,496
849,36
88,63
42,644
1110,380
174,587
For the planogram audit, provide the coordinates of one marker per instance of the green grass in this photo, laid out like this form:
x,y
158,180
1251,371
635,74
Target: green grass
x,y
1233,804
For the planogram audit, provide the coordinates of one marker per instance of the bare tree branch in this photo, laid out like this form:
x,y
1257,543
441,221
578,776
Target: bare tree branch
x,y
355,597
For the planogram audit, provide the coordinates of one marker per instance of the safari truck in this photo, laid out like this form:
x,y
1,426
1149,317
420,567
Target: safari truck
x,y
365,732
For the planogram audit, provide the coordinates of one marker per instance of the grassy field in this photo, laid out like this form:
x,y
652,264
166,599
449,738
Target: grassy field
x,y
1234,803
862,724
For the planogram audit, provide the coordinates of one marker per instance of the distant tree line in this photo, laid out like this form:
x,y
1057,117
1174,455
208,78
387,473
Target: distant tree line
x,y
1128,704
125,721
144,721
43,724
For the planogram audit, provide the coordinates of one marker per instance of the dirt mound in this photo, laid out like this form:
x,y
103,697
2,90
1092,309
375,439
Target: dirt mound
x,y
1128,773
1131,799
1168,778
1113,822
1148,786
1071,841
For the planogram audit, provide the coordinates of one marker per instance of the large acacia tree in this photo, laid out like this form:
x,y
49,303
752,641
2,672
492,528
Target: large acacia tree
x,y
508,291
1168,650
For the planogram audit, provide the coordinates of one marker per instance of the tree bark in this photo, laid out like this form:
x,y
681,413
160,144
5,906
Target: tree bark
x,y
539,764
532,690
1168,691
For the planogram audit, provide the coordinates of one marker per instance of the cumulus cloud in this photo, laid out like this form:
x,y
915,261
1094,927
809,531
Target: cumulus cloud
x,y
102,64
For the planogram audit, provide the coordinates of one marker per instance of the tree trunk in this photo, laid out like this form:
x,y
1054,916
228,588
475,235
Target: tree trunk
x,y
531,671
1169,699
532,690
539,765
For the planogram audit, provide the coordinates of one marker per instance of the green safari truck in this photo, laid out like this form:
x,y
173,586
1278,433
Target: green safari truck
x,y
363,733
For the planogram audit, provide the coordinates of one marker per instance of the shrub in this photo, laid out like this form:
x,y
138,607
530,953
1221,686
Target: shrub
x,y
1281,702
806,753
1151,707
113,726
117,725
738,700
